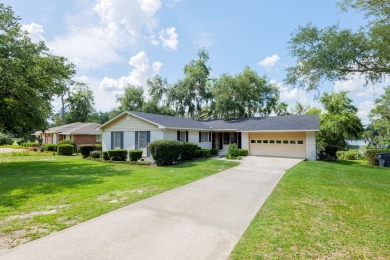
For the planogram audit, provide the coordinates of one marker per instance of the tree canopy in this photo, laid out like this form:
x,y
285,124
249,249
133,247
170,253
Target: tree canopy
x,y
80,104
243,95
380,115
29,78
338,123
335,54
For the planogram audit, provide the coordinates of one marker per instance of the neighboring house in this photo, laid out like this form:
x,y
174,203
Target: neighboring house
x,y
285,136
80,133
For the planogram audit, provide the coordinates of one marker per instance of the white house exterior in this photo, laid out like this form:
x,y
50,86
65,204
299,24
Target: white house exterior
x,y
281,136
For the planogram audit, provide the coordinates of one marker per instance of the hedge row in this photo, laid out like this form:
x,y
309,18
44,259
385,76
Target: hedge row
x,y
165,152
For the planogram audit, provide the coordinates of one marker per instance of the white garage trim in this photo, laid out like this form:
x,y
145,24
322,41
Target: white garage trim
x,y
280,144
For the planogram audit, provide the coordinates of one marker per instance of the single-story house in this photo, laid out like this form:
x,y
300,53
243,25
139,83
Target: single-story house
x,y
285,136
80,133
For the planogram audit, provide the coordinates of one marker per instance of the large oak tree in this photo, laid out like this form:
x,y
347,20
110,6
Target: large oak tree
x,y
30,77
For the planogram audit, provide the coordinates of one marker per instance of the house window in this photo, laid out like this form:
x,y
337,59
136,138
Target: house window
x,y
300,142
204,137
67,137
143,139
285,141
226,138
259,141
182,136
98,138
117,140
271,141
278,141
253,141
292,142
265,141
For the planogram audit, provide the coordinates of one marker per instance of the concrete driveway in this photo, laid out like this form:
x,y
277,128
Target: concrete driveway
x,y
201,220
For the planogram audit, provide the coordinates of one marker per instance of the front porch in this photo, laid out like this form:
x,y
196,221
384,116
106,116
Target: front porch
x,y
221,140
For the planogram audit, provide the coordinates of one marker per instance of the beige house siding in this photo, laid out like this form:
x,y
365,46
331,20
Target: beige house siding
x,y
311,146
125,125
273,148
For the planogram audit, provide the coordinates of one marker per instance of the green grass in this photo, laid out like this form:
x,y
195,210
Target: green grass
x,y
323,210
39,195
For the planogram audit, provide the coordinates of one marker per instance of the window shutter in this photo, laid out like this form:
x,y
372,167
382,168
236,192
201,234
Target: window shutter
x,y
112,140
239,140
136,140
187,136
121,140
210,137
200,136
178,136
147,141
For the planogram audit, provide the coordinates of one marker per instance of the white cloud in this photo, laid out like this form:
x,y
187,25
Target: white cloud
x,y
356,86
87,49
364,110
205,40
143,70
269,61
169,38
35,31
120,24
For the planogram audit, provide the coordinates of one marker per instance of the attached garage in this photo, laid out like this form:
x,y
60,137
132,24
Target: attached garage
x,y
286,144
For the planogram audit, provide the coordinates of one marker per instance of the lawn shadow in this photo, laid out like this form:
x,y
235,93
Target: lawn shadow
x,y
20,181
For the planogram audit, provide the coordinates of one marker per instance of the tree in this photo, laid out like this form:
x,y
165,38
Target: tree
x,y
190,94
132,99
158,103
281,109
243,95
336,54
340,122
300,109
29,78
313,111
380,115
79,104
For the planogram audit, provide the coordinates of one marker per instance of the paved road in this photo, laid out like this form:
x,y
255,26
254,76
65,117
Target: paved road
x,y
201,220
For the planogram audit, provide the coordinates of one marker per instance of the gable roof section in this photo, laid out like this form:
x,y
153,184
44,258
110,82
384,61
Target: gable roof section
x,y
74,129
270,123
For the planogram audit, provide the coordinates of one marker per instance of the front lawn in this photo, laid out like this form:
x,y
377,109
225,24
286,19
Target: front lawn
x,y
39,195
323,210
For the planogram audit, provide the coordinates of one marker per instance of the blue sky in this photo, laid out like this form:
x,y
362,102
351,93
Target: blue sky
x,y
116,42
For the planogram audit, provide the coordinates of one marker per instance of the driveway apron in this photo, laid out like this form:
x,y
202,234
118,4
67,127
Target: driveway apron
x,y
201,220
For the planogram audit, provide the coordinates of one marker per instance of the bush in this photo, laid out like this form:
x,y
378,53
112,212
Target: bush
x,y
29,144
189,151
205,153
86,149
95,154
105,156
50,147
117,155
68,142
99,147
233,150
5,139
135,155
65,149
352,154
242,152
165,152
372,156
340,155
213,152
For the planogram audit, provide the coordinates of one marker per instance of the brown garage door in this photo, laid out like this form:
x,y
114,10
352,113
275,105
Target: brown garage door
x,y
278,144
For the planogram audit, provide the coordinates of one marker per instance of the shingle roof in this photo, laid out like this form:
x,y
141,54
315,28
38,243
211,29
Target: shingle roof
x,y
74,128
172,121
270,123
